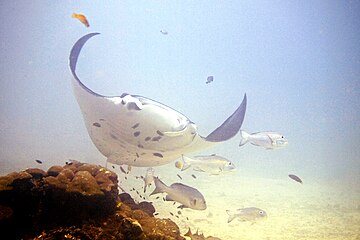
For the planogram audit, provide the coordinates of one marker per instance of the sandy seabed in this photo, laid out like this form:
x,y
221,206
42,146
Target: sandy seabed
x,y
294,210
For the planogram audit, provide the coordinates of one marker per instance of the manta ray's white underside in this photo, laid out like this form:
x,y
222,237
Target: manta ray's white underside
x,y
138,131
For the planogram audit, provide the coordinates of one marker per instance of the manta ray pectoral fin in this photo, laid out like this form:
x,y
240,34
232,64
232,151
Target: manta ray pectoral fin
x,y
74,55
231,126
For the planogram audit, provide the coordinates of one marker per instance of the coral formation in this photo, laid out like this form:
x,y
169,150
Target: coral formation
x,y
75,201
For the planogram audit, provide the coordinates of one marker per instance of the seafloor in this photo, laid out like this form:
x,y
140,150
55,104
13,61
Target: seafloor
x,y
82,201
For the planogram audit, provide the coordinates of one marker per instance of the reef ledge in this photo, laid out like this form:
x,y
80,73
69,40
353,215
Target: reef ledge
x,y
76,201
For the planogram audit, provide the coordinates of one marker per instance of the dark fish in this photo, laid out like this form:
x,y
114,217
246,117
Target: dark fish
x,y
122,169
179,176
171,214
160,133
156,213
193,176
38,161
209,79
113,166
295,178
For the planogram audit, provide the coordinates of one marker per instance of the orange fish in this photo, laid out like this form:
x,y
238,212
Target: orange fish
x,y
81,18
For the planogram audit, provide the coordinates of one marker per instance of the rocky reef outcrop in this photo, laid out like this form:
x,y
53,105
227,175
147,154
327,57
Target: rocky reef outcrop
x,y
75,201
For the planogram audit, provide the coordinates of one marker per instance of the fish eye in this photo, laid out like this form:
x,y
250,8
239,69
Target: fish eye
x,y
261,212
194,202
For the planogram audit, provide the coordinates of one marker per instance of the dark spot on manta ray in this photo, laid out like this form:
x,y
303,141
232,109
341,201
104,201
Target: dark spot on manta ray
x,y
135,126
147,138
133,106
96,124
159,132
113,136
158,155
136,134
140,146
137,155
101,119
154,139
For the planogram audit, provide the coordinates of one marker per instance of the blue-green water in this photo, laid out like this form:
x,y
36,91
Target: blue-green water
x,y
298,63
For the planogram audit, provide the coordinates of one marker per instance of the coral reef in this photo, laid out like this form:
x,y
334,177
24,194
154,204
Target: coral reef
x,y
75,201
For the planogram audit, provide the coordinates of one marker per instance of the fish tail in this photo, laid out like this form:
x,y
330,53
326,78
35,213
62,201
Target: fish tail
x,y
185,163
160,187
231,215
244,138
74,15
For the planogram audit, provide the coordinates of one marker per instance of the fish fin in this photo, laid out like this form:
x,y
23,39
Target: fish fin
x,y
231,216
244,138
160,187
188,234
185,162
198,169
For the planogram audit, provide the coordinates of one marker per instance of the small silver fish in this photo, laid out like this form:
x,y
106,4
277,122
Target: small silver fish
x,y
149,177
209,79
268,140
164,32
188,196
213,164
246,214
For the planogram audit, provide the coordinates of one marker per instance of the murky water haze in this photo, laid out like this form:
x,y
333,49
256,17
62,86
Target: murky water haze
x,y
298,63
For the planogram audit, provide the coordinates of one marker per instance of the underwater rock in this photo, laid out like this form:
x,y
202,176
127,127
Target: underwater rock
x,y
54,171
85,184
76,201
197,236
36,172
5,212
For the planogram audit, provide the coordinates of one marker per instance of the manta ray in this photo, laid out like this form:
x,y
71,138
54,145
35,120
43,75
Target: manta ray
x,y
138,131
